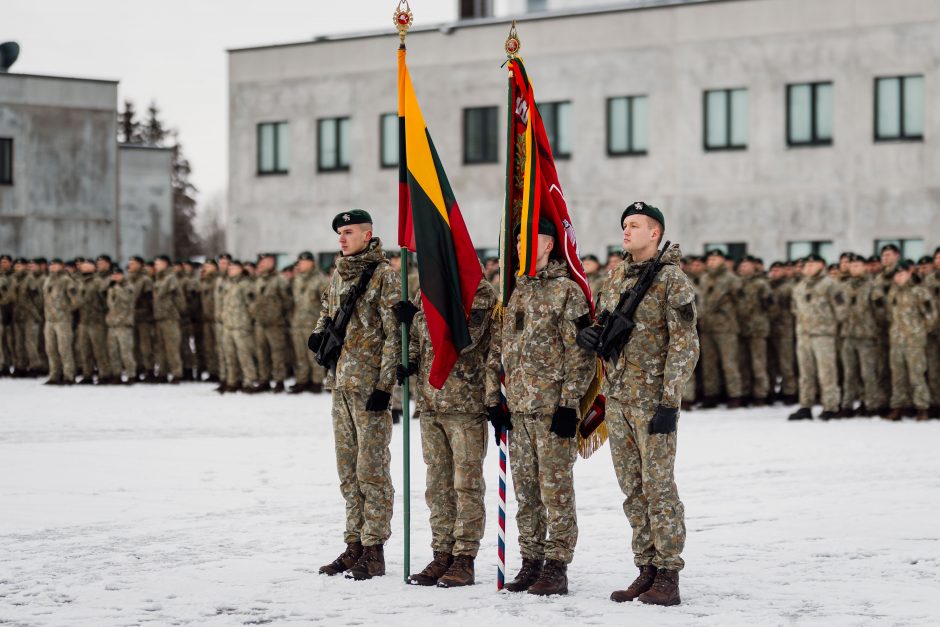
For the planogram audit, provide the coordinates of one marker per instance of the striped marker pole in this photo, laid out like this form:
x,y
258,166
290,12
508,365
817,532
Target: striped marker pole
x,y
501,547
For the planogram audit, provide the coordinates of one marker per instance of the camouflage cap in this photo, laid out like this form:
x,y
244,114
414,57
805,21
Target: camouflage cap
x,y
643,209
353,216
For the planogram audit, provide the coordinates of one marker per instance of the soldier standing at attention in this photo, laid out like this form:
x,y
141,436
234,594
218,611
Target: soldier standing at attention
x,y
120,319
307,288
860,345
720,333
92,332
644,388
208,275
239,337
143,316
60,298
782,334
221,285
547,373
169,304
362,383
754,301
270,312
27,314
932,285
7,295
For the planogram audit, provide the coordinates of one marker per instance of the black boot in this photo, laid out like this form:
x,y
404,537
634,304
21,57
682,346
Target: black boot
x,y
640,585
528,574
665,590
370,564
803,413
345,561
433,571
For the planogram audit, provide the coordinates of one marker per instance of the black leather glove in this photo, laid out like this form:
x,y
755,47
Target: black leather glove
x,y
402,373
314,341
404,311
500,419
589,338
564,422
378,401
664,420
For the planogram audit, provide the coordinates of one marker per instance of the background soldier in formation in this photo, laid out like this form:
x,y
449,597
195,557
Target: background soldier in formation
x,y
169,305
121,299
308,286
271,311
61,298
720,341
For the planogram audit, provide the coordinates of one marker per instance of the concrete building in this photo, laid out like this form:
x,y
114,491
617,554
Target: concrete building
x,y
66,187
775,127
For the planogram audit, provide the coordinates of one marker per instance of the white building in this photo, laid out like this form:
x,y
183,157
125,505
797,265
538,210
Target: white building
x,y
772,126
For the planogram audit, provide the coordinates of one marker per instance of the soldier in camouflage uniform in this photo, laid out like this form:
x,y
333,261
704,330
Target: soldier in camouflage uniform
x,y
362,383
453,441
221,285
271,310
890,257
92,332
547,373
643,389
816,305
208,275
307,288
782,334
911,314
860,345
754,300
122,300
395,260
240,295
7,294
719,322
143,317
169,304
593,273
932,285
27,315
190,291
694,271
61,297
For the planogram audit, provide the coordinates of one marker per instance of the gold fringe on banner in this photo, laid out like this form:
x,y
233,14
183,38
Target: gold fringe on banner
x,y
596,439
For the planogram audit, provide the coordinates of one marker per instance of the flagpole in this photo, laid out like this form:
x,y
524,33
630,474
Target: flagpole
x,y
403,18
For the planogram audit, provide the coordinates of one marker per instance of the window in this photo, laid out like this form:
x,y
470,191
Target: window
x,y
556,117
899,108
326,260
333,144
6,161
534,6
626,125
273,148
388,140
823,248
479,135
910,248
726,119
731,250
470,9
809,114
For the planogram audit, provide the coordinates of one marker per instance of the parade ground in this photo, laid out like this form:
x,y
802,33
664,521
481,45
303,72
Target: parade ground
x,y
170,505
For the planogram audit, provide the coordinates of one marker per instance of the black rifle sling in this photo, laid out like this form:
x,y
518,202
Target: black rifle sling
x,y
349,301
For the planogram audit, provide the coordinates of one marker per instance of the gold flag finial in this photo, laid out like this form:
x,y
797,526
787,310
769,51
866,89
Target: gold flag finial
x,y
512,42
403,19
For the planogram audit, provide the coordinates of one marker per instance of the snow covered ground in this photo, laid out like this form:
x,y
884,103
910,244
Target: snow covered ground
x,y
174,506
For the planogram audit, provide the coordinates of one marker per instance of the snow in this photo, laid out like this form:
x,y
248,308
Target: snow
x,y
174,506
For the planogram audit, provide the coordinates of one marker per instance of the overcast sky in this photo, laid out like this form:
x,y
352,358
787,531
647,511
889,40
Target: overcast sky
x,y
173,51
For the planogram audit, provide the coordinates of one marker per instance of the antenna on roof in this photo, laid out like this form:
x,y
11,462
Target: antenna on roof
x,y
8,54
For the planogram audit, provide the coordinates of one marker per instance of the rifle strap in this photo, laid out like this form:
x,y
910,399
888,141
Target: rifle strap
x,y
364,279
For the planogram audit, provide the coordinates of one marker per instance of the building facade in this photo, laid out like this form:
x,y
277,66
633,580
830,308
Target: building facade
x,y
773,127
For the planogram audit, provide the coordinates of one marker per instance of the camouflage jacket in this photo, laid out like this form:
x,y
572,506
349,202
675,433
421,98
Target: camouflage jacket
x,y
240,296
664,342
143,287
168,299
816,302
881,285
463,392
272,306
307,290
372,347
7,291
858,316
122,297
719,314
221,287
782,322
207,285
911,313
545,368
60,297
94,304
192,292
932,285
754,299
27,302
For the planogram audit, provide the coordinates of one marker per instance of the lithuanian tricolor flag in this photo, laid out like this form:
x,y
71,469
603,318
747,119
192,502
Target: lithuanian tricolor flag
x,y
430,225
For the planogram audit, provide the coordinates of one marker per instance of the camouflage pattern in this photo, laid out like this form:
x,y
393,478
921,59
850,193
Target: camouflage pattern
x,y
911,314
238,334
754,298
168,305
92,332
932,285
27,316
210,352
122,299
143,319
221,286
190,320
307,291
61,297
270,311
816,306
882,283
783,337
652,370
859,350
719,339
7,295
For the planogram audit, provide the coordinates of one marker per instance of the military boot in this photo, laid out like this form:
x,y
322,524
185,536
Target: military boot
x,y
53,381
894,415
640,585
257,388
665,590
528,574
934,412
278,387
433,571
345,560
460,573
828,415
299,388
370,564
553,580
922,415
803,413
735,403
316,388
222,388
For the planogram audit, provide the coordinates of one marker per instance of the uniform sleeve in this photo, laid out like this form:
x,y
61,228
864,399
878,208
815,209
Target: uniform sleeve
x,y
418,325
928,310
179,299
391,349
491,381
579,364
325,305
481,313
683,347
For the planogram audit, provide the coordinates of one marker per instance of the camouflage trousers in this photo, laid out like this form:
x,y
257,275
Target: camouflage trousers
x,y
239,357
306,368
6,341
93,349
362,441
144,349
542,467
187,354
720,356
783,362
121,351
454,446
3,352
644,465
816,357
220,350
209,351
168,348
933,368
271,344
883,370
859,373
26,345
59,350
909,374
754,378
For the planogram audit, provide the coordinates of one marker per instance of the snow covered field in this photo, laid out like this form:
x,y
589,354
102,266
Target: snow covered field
x,y
174,506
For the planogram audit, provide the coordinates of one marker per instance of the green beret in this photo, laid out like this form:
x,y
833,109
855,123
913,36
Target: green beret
x,y
353,216
715,252
814,257
306,255
641,208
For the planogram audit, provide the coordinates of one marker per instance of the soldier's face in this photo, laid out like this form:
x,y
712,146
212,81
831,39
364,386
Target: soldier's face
x,y
395,262
160,265
209,269
746,268
234,271
223,265
117,278
353,238
102,265
591,266
5,264
55,268
87,267
265,264
812,268
889,257
714,261
305,265
133,265
639,233
902,276
844,264
936,261
857,268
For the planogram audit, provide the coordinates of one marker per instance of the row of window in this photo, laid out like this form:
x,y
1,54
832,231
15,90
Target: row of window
x,y
910,249
6,160
899,115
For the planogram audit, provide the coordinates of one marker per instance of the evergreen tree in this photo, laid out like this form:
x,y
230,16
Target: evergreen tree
x,y
128,126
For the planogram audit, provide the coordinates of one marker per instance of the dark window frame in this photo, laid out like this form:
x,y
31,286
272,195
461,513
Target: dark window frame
x,y
814,140
339,167
278,170
563,156
490,134
631,151
902,136
815,246
734,250
7,180
475,9
728,146
382,164
902,243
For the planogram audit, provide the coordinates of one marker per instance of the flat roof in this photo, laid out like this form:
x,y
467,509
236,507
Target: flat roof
x,y
59,78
